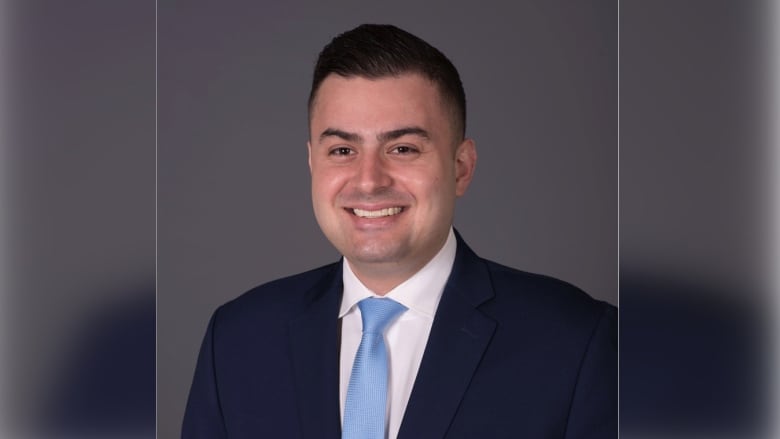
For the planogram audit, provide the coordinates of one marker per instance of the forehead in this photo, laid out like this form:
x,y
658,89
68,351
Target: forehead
x,y
404,99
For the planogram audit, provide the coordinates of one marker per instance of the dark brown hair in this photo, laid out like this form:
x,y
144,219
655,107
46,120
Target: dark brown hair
x,y
381,50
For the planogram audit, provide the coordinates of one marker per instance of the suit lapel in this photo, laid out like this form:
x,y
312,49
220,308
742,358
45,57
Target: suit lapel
x,y
458,339
314,344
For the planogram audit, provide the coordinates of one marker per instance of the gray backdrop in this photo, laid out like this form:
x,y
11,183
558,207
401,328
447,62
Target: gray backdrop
x,y
233,185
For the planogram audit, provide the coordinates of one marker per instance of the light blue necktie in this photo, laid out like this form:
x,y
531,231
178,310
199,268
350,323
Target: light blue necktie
x,y
366,406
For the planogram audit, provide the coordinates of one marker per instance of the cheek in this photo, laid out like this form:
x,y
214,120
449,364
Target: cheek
x,y
326,185
440,191
319,188
432,191
436,181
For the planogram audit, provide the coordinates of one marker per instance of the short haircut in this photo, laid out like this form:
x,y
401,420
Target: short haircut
x,y
380,50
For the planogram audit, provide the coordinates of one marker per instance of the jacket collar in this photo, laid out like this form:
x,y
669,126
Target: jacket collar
x,y
458,339
314,347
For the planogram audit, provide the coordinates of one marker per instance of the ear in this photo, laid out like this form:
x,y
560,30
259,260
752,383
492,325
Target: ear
x,y
465,162
308,148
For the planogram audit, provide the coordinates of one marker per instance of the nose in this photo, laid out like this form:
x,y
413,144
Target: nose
x,y
373,173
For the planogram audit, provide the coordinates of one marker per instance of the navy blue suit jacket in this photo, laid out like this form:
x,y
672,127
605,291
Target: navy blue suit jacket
x,y
510,354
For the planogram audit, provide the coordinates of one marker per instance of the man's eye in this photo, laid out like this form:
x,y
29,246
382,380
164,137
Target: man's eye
x,y
404,150
342,150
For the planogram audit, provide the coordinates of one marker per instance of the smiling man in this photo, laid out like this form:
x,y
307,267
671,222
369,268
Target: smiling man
x,y
387,162
410,335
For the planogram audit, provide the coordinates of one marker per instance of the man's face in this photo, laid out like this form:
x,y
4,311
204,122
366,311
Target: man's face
x,y
386,167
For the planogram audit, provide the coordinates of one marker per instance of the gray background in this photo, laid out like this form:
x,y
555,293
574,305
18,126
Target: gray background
x,y
234,207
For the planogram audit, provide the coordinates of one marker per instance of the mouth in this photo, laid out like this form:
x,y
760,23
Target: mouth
x,y
380,213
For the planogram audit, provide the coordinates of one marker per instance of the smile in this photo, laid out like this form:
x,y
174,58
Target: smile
x,y
377,213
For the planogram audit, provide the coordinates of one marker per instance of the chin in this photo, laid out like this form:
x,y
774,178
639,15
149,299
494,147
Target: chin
x,y
374,254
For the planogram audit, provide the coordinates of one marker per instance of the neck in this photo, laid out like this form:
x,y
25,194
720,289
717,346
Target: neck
x,y
382,277
381,280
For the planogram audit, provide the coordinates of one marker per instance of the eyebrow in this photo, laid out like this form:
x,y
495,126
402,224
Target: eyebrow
x,y
382,137
405,131
349,137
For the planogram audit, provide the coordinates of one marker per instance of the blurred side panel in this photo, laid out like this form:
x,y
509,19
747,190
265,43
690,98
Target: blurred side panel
x,y
5,253
78,176
773,122
695,222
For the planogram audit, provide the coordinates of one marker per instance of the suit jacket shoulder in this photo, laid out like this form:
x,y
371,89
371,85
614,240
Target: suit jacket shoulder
x,y
514,354
279,300
546,301
268,356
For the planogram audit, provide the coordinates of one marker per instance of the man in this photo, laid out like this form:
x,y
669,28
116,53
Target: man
x,y
464,347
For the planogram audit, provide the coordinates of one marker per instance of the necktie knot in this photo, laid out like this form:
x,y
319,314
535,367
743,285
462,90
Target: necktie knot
x,y
378,313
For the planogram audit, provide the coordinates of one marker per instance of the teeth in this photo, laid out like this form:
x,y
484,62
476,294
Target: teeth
x,y
377,213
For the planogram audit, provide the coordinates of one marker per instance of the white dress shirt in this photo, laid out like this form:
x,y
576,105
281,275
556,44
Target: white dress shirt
x,y
405,338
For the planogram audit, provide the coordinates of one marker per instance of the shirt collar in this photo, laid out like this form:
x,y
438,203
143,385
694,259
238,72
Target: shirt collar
x,y
420,293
